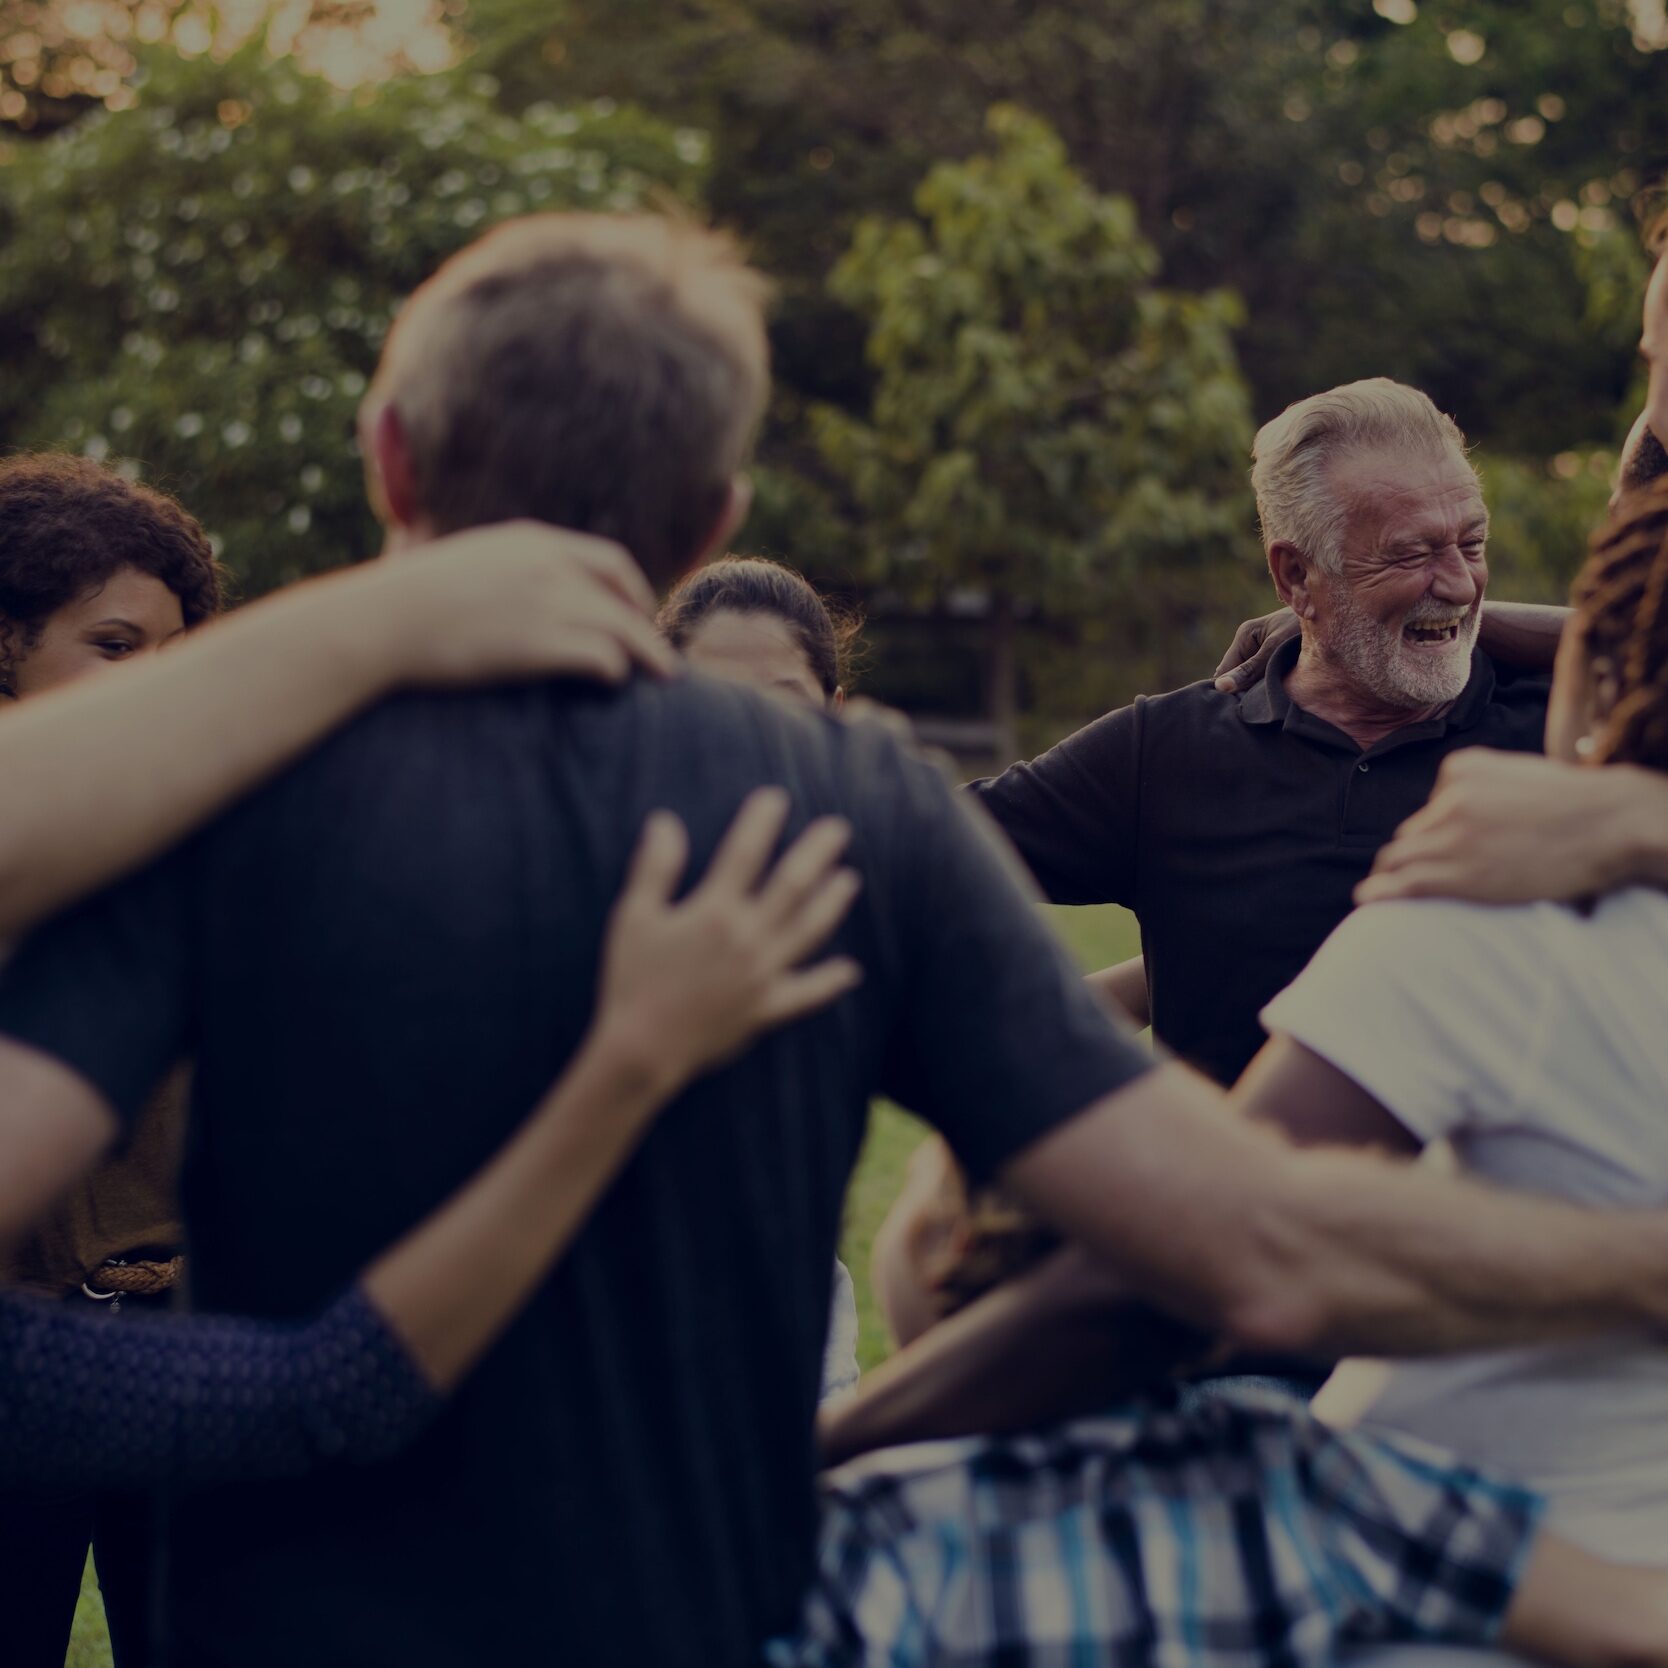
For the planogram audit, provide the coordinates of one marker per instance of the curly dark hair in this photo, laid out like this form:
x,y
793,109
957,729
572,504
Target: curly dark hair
x,y
829,634
67,524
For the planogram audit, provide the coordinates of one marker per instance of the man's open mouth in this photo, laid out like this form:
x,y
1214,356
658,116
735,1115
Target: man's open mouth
x,y
1432,636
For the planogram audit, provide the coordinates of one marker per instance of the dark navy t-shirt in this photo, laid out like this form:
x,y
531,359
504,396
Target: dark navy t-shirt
x,y
379,963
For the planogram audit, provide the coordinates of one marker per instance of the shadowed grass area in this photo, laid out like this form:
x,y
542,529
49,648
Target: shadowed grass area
x,y
1097,937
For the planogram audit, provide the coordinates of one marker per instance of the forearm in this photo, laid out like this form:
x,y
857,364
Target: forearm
x,y
156,1400
1362,1255
451,1285
1222,1221
1636,826
1062,1340
1124,989
102,776
1522,634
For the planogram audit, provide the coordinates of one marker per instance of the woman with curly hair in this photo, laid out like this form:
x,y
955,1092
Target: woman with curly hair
x,y
95,570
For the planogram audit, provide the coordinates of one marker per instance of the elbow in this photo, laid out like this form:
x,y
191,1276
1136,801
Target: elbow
x,y
1274,1297
1288,1321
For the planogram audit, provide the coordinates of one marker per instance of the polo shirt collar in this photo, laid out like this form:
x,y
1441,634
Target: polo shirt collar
x,y
1268,702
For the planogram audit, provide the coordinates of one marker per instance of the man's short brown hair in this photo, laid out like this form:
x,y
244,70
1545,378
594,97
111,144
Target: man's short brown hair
x,y
600,372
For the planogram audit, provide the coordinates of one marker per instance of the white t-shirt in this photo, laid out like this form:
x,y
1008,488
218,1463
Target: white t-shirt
x,y
1535,1042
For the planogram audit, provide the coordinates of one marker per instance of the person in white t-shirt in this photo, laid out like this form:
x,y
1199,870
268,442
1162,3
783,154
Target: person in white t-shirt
x,y
1529,1045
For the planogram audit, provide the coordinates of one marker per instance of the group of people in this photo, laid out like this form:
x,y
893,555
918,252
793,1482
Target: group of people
x,y
468,983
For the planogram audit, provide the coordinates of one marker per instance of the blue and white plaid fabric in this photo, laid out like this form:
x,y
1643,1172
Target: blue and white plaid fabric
x,y
1238,1531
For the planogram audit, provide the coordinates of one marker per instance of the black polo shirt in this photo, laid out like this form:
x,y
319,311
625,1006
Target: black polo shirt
x,y
1236,828
379,963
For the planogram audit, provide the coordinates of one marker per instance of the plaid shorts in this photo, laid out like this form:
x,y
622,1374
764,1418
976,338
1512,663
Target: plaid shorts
x,y
1238,1530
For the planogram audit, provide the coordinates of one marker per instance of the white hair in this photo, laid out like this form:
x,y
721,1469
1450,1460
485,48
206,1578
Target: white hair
x,y
1292,456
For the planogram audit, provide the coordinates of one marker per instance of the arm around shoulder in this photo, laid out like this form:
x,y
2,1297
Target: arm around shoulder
x,y
1517,828
1225,1223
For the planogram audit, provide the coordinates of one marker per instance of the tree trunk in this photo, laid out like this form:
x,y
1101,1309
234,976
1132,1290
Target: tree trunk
x,y
1004,679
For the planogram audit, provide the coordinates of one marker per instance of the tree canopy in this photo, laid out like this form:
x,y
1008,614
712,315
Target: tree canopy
x,y
1048,425
1428,189
202,282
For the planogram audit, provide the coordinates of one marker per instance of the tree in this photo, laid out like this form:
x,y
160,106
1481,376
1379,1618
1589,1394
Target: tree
x,y
200,284
1047,426
1413,188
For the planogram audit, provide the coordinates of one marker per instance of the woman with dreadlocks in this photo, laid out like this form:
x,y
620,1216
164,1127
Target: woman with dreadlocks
x,y
1531,1041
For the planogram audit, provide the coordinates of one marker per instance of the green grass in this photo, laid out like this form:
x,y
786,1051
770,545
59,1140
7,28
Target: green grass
x,y
89,1643
1097,937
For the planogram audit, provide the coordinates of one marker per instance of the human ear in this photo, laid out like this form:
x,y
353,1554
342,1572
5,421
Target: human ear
x,y
392,479
1292,573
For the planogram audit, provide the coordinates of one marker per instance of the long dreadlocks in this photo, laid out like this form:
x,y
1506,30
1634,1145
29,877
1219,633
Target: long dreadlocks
x,y
1621,602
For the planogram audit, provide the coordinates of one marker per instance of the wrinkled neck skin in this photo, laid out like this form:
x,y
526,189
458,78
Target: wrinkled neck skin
x,y
1324,688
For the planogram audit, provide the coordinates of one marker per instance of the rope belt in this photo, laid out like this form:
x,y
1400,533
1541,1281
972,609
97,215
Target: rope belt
x,y
116,1278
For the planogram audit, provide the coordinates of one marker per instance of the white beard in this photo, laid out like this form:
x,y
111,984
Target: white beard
x,y
1377,659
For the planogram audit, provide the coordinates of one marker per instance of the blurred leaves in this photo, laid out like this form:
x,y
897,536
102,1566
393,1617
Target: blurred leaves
x,y
1436,190
1047,424
202,283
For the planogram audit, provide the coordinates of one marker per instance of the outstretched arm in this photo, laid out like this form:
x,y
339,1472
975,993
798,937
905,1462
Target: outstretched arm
x,y
1514,828
101,778
1224,1222
1063,1339
684,986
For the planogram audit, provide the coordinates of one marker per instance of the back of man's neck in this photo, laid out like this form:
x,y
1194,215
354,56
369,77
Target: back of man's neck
x,y
1316,686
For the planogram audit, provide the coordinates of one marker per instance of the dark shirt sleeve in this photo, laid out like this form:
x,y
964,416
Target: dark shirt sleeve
x,y
1072,813
996,1039
106,988
137,1401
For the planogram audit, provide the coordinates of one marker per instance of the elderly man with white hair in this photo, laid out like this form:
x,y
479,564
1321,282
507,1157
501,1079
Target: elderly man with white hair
x,y
1237,825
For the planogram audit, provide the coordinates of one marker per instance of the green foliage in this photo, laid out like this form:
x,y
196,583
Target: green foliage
x,y
1465,213
1540,519
1438,191
1444,199
1387,198
1046,423
201,283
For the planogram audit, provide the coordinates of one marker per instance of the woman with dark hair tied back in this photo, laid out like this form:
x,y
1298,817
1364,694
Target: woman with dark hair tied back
x,y
758,622
755,620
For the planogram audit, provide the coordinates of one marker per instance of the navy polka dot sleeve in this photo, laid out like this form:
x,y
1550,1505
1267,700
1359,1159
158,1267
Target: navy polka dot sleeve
x,y
178,1400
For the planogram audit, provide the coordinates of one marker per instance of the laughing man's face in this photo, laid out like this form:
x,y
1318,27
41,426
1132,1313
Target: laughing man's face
x,y
1401,617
